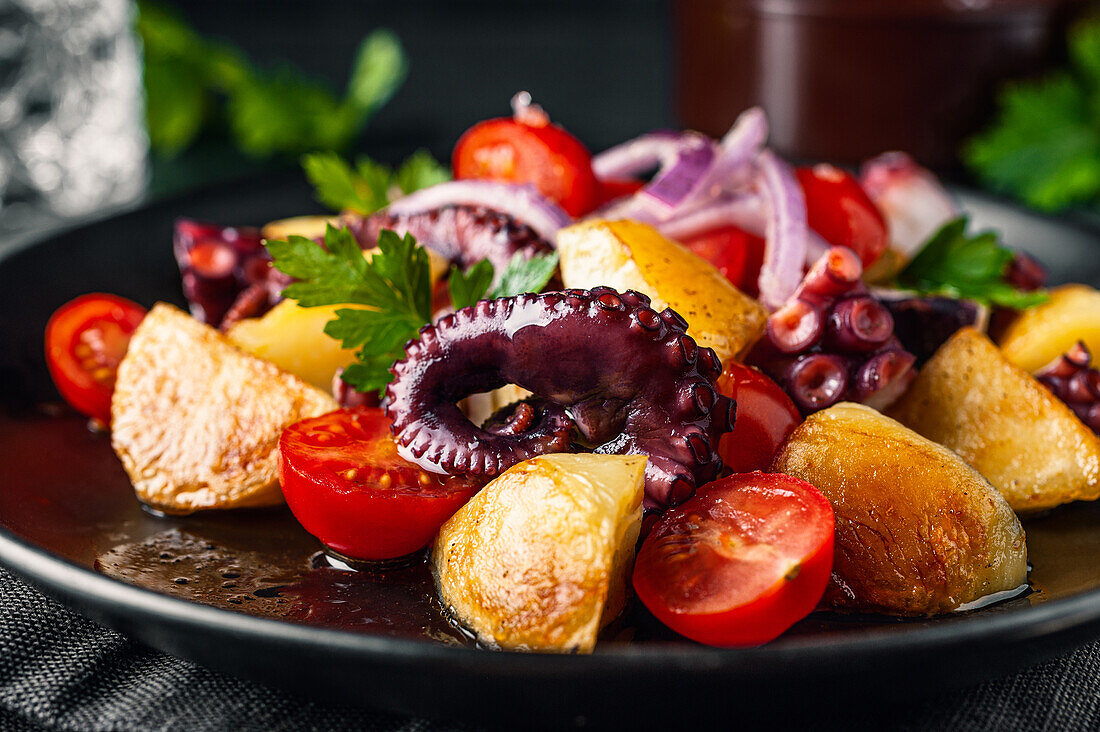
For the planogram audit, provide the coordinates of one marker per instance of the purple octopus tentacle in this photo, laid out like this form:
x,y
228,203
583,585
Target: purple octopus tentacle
x,y
630,380
464,235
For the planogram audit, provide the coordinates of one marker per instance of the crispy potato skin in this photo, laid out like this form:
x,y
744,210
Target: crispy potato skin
x,y
918,531
1013,430
539,559
627,255
196,422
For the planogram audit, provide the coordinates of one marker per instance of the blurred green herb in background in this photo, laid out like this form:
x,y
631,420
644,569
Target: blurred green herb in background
x,y
1044,145
192,82
370,185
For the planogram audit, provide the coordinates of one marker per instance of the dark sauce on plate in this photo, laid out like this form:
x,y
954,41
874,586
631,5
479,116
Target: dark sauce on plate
x,y
63,489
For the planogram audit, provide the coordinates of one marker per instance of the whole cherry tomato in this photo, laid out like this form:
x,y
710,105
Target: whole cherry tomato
x,y
346,484
528,149
86,340
740,562
765,417
736,253
840,210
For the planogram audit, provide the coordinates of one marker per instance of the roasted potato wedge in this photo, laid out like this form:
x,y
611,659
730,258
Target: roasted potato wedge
x,y
293,338
1011,428
918,531
539,560
627,255
1044,333
196,422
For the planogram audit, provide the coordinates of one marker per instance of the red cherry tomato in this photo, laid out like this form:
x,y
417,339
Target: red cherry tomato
x,y
765,417
611,190
346,485
739,563
530,151
840,210
737,254
85,342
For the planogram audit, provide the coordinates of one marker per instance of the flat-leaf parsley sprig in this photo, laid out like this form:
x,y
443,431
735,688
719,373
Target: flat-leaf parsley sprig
x,y
955,264
394,285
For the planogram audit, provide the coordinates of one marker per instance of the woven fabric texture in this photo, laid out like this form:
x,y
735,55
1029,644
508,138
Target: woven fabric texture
x,y
60,671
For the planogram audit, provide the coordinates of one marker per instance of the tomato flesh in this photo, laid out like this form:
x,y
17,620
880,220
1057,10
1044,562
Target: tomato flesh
x,y
766,416
346,484
840,211
86,339
737,254
545,155
740,562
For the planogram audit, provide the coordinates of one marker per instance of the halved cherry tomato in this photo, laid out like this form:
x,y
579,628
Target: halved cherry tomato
x,y
736,253
530,151
86,339
739,563
840,210
346,485
765,417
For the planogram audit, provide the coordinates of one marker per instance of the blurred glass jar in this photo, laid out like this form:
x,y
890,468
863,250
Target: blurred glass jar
x,y
843,80
72,129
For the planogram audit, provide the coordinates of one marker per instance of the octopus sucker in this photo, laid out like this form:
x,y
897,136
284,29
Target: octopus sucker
x,y
462,234
608,374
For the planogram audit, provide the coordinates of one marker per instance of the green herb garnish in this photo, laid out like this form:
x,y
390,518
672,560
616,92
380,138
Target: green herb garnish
x,y
188,77
1044,144
395,284
367,187
968,267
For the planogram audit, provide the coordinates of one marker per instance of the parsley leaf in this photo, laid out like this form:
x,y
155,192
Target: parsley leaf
x,y
526,275
188,77
469,287
395,287
366,187
520,276
1044,145
970,267
394,284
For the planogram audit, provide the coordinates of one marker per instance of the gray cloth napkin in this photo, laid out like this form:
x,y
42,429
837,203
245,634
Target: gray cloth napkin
x,y
60,671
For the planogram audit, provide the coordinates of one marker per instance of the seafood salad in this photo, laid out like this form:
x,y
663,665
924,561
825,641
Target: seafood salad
x,y
679,374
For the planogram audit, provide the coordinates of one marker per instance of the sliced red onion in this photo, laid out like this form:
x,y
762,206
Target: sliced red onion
x,y
521,202
631,159
786,240
693,172
746,211
732,167
911,199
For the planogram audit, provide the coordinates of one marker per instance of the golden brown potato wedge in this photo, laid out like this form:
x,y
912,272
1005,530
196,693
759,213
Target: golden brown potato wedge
x,y
1044,333
539,560
1013,430
627,255
196,422
918,531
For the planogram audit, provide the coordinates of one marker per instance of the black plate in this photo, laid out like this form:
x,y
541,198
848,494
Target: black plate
x,y
70,525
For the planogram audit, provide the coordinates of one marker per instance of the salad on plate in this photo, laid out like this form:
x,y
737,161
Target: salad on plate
x,y
680,373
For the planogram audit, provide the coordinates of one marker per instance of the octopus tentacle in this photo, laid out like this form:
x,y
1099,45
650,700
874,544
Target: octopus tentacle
x,y
462,234
608,371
